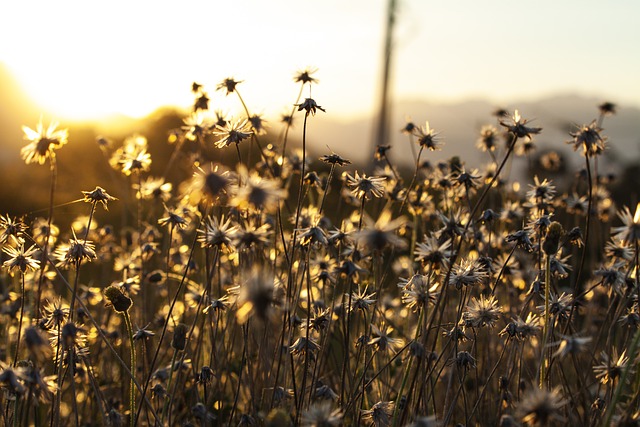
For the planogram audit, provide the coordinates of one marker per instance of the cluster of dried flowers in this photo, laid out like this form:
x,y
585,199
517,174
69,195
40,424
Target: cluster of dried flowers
x,y
288,291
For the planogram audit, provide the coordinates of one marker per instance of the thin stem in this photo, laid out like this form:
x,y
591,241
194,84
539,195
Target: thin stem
x,y
132,388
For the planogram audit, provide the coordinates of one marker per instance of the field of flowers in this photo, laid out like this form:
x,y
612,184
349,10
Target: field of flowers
x,y
277,289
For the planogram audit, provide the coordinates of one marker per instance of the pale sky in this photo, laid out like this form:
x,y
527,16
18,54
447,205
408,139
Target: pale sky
x,y
81,59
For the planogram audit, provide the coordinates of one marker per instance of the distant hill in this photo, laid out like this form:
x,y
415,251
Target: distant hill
x,y
459,125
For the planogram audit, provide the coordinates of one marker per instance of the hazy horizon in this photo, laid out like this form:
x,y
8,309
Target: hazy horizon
x,y
104,60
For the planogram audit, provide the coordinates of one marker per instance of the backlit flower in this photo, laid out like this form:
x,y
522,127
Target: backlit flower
x,y
42,142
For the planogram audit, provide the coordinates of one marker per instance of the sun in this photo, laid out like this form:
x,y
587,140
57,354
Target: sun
x,y
80,91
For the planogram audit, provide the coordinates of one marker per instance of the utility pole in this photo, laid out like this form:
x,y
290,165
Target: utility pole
x,y
381,136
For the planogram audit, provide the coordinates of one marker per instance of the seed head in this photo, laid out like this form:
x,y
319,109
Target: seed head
x,y
117,299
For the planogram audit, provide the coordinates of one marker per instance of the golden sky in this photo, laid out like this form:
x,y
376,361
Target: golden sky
x,y
84,59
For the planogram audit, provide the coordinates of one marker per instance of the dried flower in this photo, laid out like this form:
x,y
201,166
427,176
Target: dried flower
x,y
42,142
310,106
98,195
232,133
517,126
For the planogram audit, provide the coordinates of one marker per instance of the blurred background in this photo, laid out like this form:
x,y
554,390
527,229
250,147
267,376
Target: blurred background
x,y
112,69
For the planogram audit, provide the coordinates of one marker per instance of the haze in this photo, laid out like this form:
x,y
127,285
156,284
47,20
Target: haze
x,y
82,59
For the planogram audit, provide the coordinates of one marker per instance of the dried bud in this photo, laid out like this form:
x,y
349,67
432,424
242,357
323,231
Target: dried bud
x,y
179,341
552,240
117,299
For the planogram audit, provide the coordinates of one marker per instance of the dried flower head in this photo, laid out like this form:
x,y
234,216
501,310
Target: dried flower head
x,y
540,407
98,195
517,126
42,142
588,139
310,106
364,186
117,299
234,132
21,259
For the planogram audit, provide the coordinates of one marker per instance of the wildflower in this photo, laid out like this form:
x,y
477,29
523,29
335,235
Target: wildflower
x,y
433,252
201,102
559,305
233,133
335,159
611,367
42,142
618,249
173,219
470,180
612,276
482,312
251,235
574,237
456,333
360,300
324,392
310,106
465,360
607,108
631,319
217,233
363,186
179,340
488,140
19,259
540,407
380,414
257,193
256,296
200,412
153,189
196,126
54,314
467,273
452,225
229,84
313,235
321,415
12,381
552,239
380,235
522,240
133,156
258,124
382,341
522,329
74,252
427,137
303,346
517,126
319,320
588,138
630,231
143,334
11,227
570,345
98,195
541,192
117,299
304,76
559,267
418,291
208,183
38,346
381,152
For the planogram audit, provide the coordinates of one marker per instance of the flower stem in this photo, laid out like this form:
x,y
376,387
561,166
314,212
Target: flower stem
x,y
132,387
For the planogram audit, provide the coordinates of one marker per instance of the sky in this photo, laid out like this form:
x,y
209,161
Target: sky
x,y
84,59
